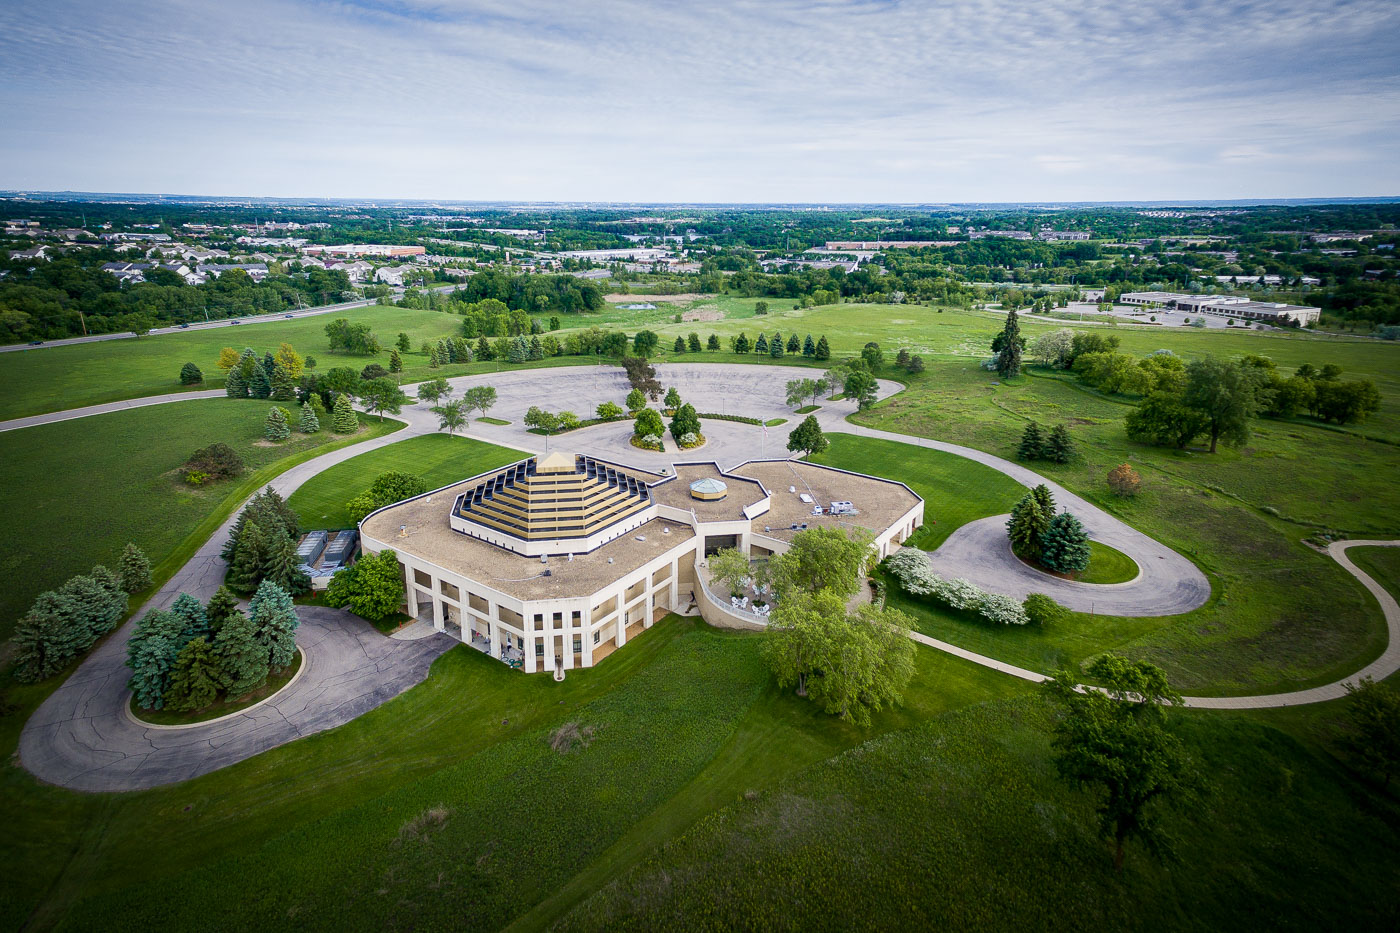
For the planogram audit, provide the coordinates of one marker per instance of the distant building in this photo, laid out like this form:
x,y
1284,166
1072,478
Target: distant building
x,y
37,253
1226,306
257,271
384,250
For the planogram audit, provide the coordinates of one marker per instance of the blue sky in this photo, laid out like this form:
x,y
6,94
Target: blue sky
x,y
771,100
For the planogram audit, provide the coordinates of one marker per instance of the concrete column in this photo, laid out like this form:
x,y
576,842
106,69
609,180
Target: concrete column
x,y
530,666
586,634
549,645
410,594
437,609
495,637
569,632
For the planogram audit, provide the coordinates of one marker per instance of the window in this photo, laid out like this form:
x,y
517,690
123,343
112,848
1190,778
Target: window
x,y
422,579
578,645
539,649
595,637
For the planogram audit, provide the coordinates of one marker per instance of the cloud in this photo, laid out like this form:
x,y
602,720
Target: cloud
x,y
741,100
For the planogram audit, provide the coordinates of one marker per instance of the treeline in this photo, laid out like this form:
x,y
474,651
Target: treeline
x,y
536,293
72,295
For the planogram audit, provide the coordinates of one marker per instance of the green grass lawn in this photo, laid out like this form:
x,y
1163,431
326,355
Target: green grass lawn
x,y
963,824
1108,565
1381,563
955,490
57,378
440,460
1282,616
73,493
685,719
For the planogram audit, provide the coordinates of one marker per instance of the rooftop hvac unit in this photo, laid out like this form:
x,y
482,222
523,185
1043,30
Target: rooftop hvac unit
x,y
792,489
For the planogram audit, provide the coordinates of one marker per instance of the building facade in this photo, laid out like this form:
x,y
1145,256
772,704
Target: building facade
x,y
555,562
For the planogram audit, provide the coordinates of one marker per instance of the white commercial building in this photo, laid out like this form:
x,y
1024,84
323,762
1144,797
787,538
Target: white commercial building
x,y
1231,306
555,562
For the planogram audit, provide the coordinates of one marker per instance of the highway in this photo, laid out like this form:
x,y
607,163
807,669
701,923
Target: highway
x,y
226,322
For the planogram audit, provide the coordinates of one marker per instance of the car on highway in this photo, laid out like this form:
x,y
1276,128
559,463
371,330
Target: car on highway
x,y
184,326
36,343
235,322
289,316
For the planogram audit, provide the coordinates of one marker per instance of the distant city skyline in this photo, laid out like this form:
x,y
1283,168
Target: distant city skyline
x,y
733,102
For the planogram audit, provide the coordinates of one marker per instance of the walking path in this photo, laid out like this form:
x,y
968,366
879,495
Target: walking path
x,y
103,409
81,736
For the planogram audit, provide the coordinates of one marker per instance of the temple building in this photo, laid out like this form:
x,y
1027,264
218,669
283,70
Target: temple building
x,y
554,562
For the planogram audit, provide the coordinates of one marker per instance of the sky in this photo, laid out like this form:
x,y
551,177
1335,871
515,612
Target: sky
x,y
716,101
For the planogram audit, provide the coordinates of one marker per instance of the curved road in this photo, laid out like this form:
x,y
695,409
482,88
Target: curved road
x,y
80,737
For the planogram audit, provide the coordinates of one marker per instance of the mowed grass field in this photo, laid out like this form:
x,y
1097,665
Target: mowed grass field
x,y
73,493
704,796
1282,615
446,807
436,458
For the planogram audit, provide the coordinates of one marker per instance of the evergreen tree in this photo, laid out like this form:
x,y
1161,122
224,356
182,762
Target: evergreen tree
x,y
1047,501
283,567
1065,546
1009,358
318,406
519,350
775,346
823,351
194,680
92,610
809,349
275,428
434,358
190,375
234,384
1027,527
741,343
1032,444
283,389
242,661
713,342
402,343
536,348
680,344
308,423
269,363
151,655
793,345
483,349
222,605
249,556
1060,448
461,353
196,619
134,569
693,342
343,420
110,582
275,622
761,344
260,384
43,640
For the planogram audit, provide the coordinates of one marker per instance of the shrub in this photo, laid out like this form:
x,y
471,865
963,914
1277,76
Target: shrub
x,y
217,461
1042,610
651,442
1124,480
689,440
196,478
911,569
190,375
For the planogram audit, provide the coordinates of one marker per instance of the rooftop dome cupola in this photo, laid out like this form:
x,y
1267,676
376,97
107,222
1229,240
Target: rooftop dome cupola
x,y
708,489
